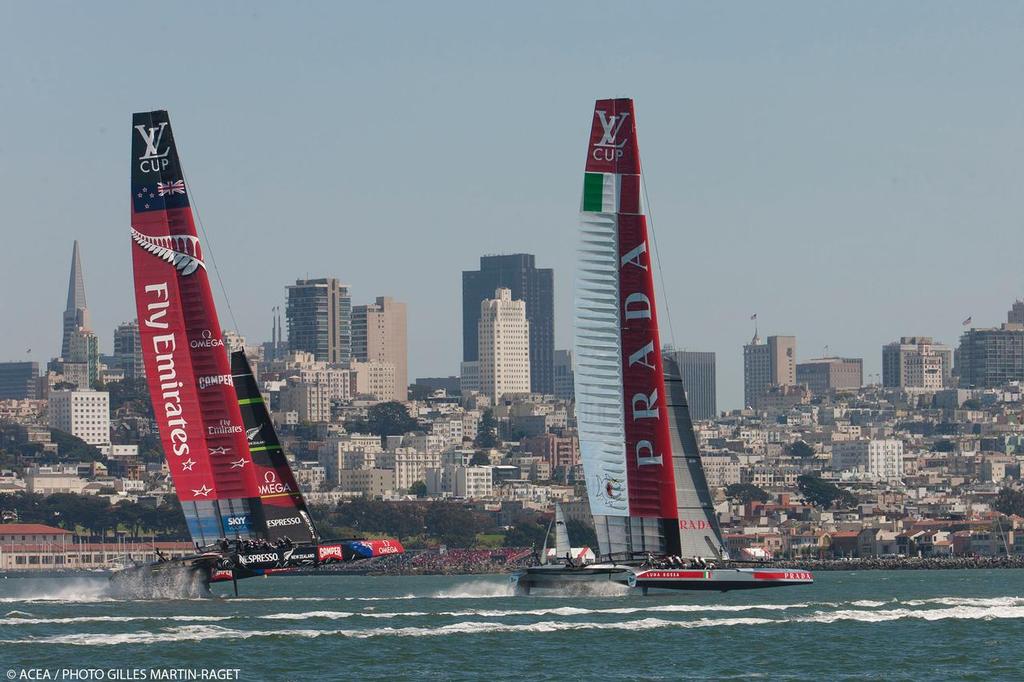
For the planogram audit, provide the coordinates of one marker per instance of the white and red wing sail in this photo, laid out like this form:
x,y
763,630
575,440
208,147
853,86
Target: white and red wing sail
x,y
630,427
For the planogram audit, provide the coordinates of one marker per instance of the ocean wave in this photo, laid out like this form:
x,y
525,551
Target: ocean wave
x,y
552,611
198,632
321,599
476,590
954,613
966,601
32,620
490,589
204,632
868,603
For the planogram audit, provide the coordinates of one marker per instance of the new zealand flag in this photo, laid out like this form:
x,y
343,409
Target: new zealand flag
x,y
157,196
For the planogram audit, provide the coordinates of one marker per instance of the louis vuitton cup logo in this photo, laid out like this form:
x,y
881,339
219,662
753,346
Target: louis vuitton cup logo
x,y
609,148
153,159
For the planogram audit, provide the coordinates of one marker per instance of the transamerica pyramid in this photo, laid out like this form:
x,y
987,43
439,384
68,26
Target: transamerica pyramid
x,y
76,314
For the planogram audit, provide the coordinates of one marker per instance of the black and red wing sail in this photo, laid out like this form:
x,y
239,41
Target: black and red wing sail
x,y
284,509
186,364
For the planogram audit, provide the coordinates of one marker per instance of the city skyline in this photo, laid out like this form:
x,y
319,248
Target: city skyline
x,y
729,158
77,285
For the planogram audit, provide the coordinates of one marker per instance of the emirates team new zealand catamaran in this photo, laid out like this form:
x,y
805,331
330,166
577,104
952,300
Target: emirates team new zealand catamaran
x,y
653,512
244,510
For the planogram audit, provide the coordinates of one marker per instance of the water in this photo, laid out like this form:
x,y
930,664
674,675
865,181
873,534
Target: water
x,y
849,625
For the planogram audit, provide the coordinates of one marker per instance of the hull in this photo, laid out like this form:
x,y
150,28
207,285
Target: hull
x,y
553,576
719,579
174,579
714,579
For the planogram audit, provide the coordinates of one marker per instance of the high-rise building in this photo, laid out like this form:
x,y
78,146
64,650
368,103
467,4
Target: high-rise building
x,y
128,350
81,365
1016,314
76,314
376,379
532,285
233,341
319,317
379,335
766,365
881,459
988,358
19,380
82,413
565,375
830,374
917,362
697,371
504,344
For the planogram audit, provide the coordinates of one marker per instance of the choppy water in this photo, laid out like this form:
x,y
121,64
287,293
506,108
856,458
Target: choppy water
x,y
874,624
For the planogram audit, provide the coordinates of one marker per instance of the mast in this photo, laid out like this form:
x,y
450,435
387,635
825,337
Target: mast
x,y
620,387
186,364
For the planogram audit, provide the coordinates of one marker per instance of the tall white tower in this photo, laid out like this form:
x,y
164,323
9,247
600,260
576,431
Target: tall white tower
x,y
504,339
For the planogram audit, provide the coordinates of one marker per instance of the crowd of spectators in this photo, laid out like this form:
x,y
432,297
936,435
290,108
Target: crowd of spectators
x,y
453,561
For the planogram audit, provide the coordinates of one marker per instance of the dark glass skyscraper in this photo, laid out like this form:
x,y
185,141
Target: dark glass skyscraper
x,y
319,316
697,370
19,380
528,283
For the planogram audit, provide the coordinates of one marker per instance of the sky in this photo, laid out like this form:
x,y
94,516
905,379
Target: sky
x,y
850,172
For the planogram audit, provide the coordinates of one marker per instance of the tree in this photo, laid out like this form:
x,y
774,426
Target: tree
x,y
745,492
419,489
72,447
801,449
822,493
390,419
1009,501
480,458
454,525
943,445
131,392
487,431
528,533
582,534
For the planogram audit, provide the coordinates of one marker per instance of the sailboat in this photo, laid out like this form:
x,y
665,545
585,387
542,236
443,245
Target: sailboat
x,y
243,508
645,482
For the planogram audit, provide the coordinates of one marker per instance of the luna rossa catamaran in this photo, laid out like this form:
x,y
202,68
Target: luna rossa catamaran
x,y
244,511
653,512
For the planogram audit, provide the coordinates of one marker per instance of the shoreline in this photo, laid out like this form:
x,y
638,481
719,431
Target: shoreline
x,y
864,564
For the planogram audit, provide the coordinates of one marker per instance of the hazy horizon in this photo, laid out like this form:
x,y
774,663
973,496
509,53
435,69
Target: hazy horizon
x,y
851,174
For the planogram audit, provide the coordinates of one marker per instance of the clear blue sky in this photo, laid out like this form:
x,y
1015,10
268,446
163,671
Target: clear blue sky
x,y
849,171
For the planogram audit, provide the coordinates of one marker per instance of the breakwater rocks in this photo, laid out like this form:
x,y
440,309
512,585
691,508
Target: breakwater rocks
x,y
901,563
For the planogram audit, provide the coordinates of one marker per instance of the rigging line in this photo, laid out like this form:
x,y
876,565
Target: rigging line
x,y
209,245
657,256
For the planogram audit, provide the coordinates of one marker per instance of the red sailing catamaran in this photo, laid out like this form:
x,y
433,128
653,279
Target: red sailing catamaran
x,y
244,510
645,481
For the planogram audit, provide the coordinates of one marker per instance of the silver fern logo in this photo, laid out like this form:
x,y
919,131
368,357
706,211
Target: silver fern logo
x,y
181,251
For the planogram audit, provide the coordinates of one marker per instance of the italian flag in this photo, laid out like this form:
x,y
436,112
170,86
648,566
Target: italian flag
x,y
601,192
